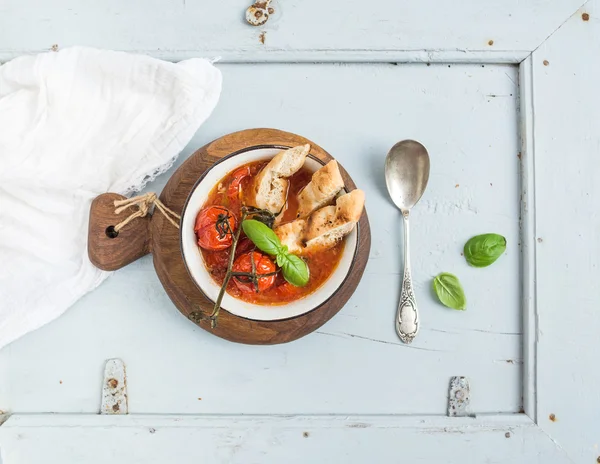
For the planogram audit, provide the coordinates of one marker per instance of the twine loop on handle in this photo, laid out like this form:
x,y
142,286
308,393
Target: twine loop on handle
x,y
144,203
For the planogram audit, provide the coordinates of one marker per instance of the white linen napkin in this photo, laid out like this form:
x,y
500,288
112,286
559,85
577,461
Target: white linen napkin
x,y
75,124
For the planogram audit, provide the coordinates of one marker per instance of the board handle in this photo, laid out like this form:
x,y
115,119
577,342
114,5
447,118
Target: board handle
x,y
108,249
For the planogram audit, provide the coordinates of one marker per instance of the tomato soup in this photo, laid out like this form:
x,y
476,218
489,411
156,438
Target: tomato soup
x,y
228,197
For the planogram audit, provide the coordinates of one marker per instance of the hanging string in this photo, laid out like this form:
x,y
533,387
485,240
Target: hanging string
x,y
144,203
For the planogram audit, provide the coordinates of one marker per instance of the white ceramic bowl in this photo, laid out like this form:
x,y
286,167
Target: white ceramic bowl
x,y
194,262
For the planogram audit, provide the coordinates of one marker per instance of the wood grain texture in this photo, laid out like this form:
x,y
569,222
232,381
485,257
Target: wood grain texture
x,y
212,439
180,287
171,362
299,29
566,139
131,243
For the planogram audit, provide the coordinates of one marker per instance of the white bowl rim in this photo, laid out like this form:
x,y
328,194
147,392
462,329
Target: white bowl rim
x,y
184,210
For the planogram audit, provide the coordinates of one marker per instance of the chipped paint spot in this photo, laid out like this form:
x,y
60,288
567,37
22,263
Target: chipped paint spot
x,y
490,43
552,417
54,48
598,459
114,390
519,155
258,13
60,381
262,36
152,430
459,397
546,62
507,434
306,434
456,186
540,239
586,17
199,399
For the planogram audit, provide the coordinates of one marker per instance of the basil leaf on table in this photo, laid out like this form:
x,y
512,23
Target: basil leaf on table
x,y
295,270
262,236
483,250
448,289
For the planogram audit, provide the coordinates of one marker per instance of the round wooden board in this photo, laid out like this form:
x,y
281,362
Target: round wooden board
x,y
168,260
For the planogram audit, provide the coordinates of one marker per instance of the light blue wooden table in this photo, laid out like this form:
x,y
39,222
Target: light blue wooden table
x,y
466,79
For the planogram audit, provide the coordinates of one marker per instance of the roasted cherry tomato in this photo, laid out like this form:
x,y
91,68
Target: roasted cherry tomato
x,y
236,179
244,246
214,228
217,259
263,265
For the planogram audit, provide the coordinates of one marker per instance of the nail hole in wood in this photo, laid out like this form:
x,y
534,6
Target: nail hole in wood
x,y
111,232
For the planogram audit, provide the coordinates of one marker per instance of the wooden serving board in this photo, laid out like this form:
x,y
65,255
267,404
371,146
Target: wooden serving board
x,y
156,235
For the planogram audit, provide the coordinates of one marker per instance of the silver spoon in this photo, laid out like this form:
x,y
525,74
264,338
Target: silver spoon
x,y
406,176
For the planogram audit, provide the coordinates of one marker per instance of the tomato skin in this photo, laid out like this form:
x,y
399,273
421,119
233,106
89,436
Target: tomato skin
x,y
233,190
244,246
209,237
263,264
217,260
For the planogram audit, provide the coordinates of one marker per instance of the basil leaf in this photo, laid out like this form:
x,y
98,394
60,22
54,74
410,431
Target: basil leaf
x,y
280,259
483,250
263,237
295,270
448,289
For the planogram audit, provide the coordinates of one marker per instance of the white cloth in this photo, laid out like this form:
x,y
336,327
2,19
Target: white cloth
x,y
73,125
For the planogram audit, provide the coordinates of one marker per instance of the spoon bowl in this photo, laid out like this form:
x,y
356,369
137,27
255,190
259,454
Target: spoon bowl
x,y
406,173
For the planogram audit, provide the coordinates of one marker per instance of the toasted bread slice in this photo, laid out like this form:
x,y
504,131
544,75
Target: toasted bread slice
x,y
321,190
292,235
325,227
271,185
332,223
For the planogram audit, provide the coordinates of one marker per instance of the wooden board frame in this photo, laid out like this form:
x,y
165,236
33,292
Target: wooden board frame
x,y
559,422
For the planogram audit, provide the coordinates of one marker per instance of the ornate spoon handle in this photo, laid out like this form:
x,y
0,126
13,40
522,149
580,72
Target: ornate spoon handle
x,y
407,318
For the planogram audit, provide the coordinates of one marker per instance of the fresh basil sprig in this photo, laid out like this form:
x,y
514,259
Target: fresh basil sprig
x,y
294,269
448,289
483,250
263,237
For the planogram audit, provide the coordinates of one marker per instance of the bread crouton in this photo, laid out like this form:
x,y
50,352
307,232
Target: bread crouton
x,y
321,190
271,186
